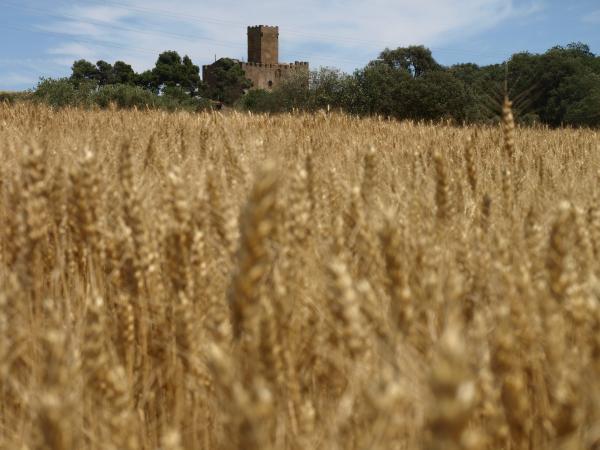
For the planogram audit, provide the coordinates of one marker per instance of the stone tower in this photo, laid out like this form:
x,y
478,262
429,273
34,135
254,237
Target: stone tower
x,y
263,45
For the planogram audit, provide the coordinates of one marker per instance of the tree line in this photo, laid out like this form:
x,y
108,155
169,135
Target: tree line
x,y
558,87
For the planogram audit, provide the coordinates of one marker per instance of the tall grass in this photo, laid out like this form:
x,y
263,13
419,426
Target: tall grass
x,y
184,281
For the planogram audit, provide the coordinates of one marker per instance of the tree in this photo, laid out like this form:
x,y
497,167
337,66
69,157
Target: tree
x,y
416,60
578,99
434,96
171,70
229,81
191,80
557,72
541,86
574,49
377,85
83,70
105,74
123,73
586,111
327,88
293,93
146,80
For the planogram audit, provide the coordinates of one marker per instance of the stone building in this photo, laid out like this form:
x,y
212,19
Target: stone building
x,y
263,67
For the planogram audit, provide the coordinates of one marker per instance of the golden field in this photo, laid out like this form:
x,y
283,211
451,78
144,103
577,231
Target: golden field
x,y
181,281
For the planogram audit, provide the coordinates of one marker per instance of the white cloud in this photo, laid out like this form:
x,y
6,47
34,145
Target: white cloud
x,y
100,13
75,28
342,33
74,50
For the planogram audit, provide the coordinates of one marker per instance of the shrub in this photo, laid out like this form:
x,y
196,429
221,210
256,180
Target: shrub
x,y
65,92
124,96
259,100
175,97
62,92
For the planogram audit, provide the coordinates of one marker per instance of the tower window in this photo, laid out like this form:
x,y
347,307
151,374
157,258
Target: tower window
x,y
270,83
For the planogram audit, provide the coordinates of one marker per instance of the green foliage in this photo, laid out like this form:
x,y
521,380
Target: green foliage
x,y
578,99
435,95
103,73
293,93
558,87
401,84
124,96
329,88
173,71
378,87
88,93
83,70
170,71
561,86
259,100
63,92
175,97
416,60
146,80
127,96
230,81
543,87
123,73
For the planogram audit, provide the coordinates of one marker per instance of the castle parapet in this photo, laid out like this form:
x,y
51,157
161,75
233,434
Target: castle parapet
x,y
263,27
294,65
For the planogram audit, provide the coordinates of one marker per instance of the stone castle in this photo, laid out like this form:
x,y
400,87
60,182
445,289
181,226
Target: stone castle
x,y
263,67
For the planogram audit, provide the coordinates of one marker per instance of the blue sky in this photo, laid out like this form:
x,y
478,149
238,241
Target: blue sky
x,y
43,37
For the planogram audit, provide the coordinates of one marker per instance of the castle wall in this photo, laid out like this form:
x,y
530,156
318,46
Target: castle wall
x,y
268,76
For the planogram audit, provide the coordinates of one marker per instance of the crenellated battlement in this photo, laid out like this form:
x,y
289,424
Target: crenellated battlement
x,y
294,65
263,27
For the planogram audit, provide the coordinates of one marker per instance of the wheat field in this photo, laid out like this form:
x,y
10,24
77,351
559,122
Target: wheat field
x,y
227,281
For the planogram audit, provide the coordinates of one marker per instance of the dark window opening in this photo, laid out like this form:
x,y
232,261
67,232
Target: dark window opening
x,y
270,83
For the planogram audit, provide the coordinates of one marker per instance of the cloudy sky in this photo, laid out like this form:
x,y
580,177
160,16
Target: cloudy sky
x,y
44,37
